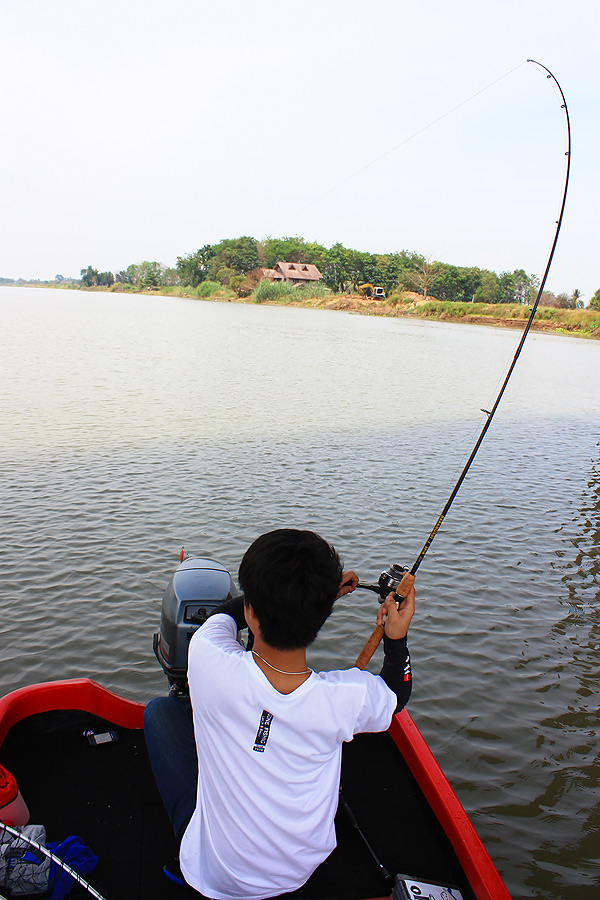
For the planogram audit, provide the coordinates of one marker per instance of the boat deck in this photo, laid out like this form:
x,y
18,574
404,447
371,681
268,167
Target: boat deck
x,y
106,795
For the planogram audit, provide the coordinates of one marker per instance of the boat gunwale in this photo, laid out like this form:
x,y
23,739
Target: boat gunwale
x,y
484,878
74,693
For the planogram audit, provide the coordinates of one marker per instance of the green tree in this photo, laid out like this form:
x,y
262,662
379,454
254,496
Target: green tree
x,y
506,287
89,276
576,300
525,286
389,268
457,283
225,274
345,269
516,287
128,275
595,300
193,268
489,288
149,274
243,285
315,253
534,283
337,268
287,249
239,254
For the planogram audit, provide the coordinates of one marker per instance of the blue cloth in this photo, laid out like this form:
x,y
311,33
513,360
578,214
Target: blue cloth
x,y
74,853
169,733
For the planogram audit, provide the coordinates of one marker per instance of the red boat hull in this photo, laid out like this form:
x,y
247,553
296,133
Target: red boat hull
x,y
88,696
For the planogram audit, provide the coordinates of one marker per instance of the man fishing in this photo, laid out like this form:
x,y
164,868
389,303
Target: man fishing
x,y
251,787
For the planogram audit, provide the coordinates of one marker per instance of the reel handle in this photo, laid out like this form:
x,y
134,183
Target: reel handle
x,y
374,640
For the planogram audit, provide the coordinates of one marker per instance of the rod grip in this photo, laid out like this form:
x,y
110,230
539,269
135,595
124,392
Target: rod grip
x,y
370,647
374,640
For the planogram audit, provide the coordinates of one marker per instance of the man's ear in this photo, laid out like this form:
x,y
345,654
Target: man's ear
x,y
251,620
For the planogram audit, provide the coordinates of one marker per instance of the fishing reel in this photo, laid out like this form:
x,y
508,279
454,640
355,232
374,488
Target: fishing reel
x,y
388,581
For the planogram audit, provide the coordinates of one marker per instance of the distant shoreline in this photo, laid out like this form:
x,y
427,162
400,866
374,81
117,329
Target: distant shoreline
x,y
581,323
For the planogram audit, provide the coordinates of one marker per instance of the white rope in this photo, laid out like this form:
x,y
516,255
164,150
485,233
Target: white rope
x,y
56,859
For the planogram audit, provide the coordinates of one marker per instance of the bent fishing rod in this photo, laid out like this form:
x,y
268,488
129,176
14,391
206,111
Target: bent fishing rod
x,y
400,579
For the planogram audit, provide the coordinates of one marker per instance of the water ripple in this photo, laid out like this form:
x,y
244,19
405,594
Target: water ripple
x,y
205,424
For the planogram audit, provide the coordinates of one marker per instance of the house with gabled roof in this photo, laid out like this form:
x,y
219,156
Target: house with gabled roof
x,y
295,273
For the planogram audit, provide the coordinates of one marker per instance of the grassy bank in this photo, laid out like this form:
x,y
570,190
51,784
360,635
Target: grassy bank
x,y
575,322
580,322
207,290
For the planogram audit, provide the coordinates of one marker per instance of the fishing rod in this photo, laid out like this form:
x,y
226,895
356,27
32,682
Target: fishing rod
x,y
388,879
41,848
399,578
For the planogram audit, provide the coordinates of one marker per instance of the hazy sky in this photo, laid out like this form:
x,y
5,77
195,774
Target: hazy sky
x,y
144,129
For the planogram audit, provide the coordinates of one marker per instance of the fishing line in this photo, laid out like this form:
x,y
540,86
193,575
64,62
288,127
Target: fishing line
x,y
396,147
398,579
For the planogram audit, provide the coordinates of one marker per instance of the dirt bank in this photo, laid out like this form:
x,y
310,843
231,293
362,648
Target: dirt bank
x,y
411,306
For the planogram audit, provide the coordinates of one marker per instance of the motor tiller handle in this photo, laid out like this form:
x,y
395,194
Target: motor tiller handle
x,y
375,639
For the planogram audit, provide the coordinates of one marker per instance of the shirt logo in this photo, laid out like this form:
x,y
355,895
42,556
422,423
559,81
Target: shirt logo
x,y
262,735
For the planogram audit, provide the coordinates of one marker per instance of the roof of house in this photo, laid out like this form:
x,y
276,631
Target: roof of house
x,y
303,271
265,273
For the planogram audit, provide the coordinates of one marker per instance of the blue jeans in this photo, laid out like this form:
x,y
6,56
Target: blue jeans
x,y
169,733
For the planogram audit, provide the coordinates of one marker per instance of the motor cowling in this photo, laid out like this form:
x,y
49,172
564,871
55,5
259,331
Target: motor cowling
x,y
198,586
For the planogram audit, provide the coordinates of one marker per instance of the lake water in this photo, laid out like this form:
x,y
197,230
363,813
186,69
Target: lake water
x,y
130,426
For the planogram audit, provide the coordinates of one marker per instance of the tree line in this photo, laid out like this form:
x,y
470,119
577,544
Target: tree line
x,y
233,263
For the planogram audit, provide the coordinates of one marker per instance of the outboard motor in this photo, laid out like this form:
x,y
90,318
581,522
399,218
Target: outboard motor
x,y
198,586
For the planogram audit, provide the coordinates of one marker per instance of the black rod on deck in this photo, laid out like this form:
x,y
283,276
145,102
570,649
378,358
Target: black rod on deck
x,y
382,869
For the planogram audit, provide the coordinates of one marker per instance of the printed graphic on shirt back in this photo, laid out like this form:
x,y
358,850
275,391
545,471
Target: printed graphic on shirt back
x,y
262,735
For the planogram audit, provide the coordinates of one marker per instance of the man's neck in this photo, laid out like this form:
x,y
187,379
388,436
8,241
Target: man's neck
x,y
285,669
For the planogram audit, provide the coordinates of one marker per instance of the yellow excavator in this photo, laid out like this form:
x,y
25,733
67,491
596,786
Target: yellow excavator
x,y
371,293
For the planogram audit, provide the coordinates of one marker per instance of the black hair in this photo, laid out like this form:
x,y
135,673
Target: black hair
x,y
291,579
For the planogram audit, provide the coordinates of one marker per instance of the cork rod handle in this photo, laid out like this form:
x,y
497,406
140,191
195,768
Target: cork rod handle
x,y
374,640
